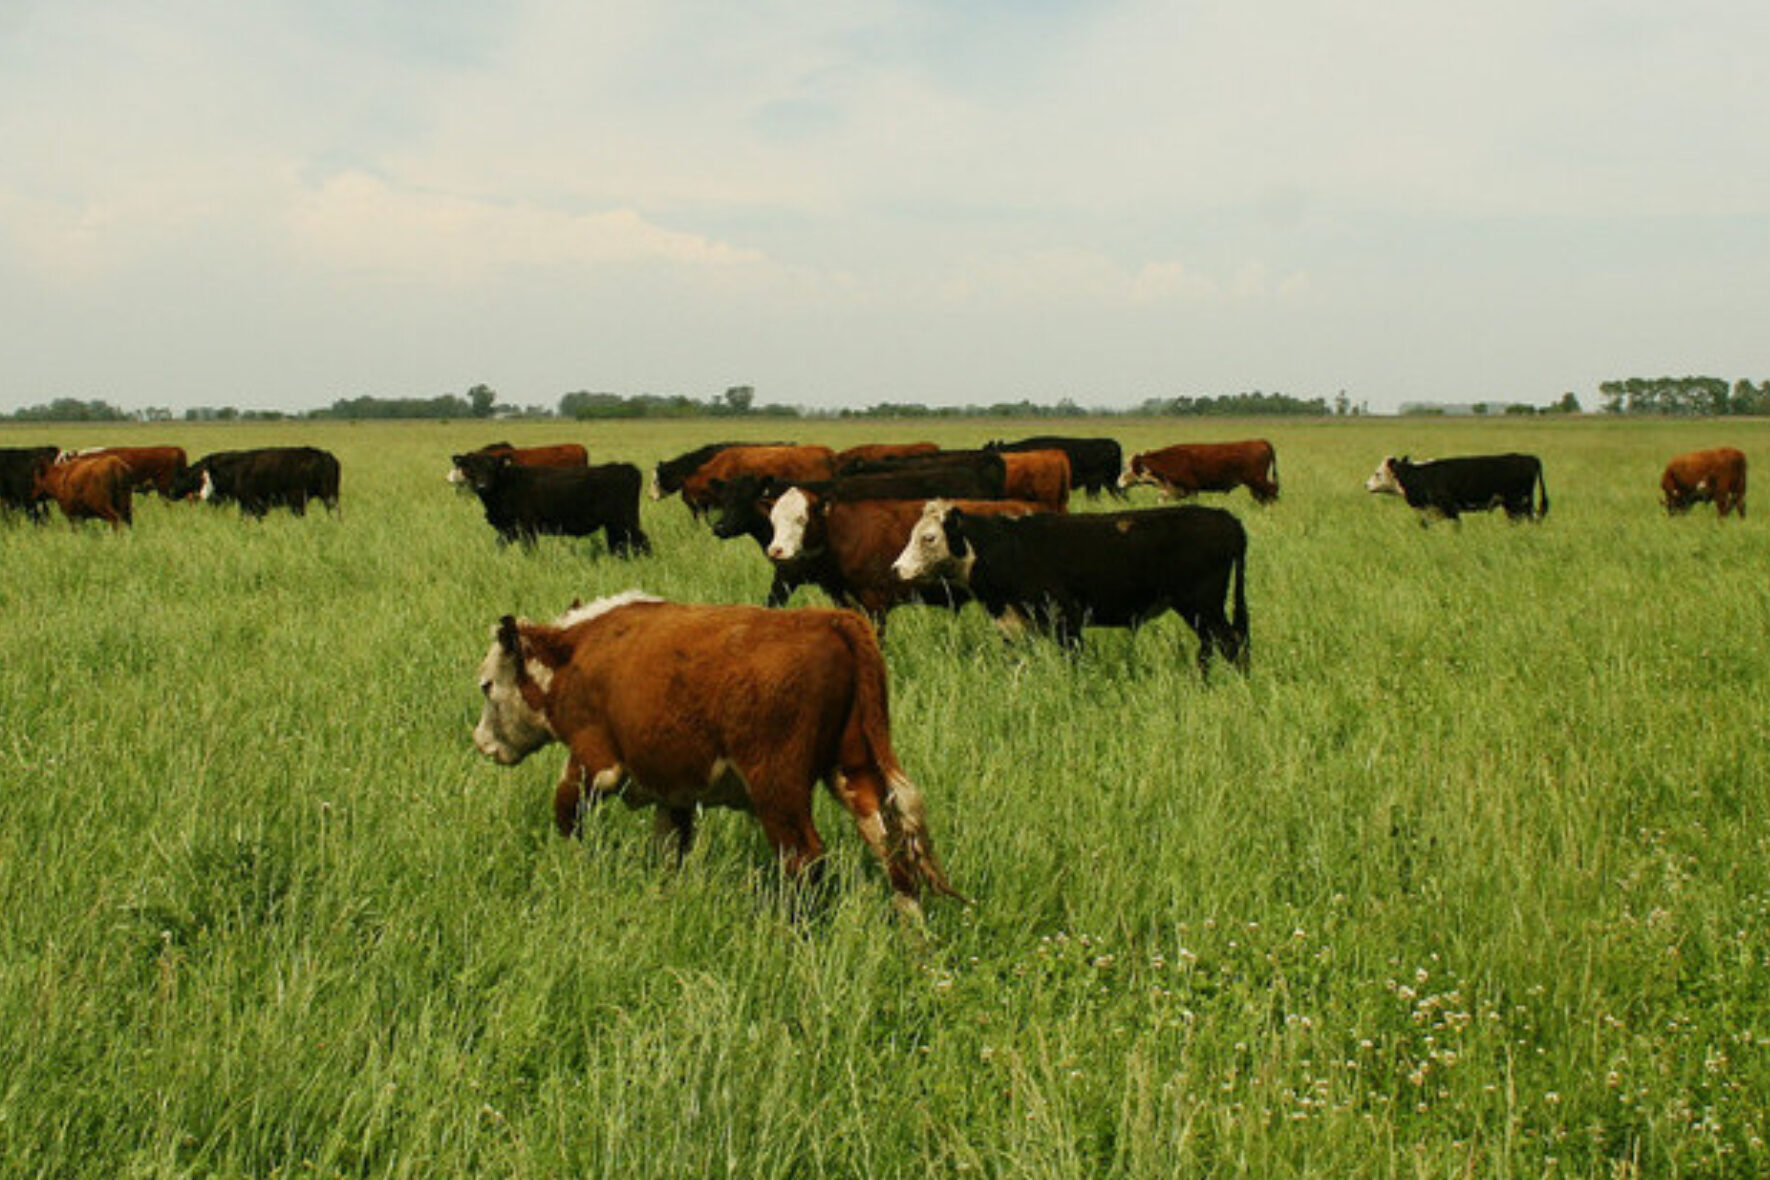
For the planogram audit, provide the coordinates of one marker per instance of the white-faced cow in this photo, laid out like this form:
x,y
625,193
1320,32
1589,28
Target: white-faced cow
x,y
1060,573
261,479
679,707
1717,474
1470,483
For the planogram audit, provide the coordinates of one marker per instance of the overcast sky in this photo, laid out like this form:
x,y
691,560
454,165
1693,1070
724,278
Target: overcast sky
x,y
277,203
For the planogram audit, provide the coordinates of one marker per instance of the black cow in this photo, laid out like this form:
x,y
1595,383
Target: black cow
x,y
262,479
1094,463
524,503
986,464
1472,483
18,480
1060,573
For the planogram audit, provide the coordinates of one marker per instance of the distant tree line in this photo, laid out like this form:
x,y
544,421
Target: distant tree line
x,y
1690,396
1685,396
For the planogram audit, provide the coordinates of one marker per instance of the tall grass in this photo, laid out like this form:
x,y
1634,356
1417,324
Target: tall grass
x,y
1467,877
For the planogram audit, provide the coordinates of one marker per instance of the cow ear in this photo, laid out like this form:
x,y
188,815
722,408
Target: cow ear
x,y
510,636
955,535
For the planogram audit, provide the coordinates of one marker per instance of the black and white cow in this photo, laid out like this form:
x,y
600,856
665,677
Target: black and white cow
x,y
524,503
262,479
1472,483
19,467
1059,573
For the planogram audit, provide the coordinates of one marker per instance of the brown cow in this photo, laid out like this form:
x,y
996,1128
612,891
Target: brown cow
x,y
873,452
1699,476
1041,477
852,543
1187,468
552,455
794,464
94,487
680,707
150,468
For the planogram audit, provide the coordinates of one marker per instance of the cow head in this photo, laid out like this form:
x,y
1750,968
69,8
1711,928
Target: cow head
x,y
791,518
1384,478
937,547
741,506
1134,473
480,470
513,681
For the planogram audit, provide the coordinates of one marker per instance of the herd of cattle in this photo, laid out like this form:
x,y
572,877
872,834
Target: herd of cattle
x,y
801,695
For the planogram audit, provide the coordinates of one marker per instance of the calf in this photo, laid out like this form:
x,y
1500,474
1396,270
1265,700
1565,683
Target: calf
x,y
524,503
1060,573
1188,468
680,707
19,488
1700,476
1472,483
93,488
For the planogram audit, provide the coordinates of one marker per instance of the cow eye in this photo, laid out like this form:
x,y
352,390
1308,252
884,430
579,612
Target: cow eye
x,y
485,687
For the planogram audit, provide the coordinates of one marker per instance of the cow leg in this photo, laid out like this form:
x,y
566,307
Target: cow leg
x,y
673,829
860,790
795,841
568,799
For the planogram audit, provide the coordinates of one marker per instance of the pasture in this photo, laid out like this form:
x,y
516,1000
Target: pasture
x,y
1467,877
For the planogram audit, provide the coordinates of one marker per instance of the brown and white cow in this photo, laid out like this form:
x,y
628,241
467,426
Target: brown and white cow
x,y
847,546
94,487
1188,468
678,707
787,465
1696,477
150,468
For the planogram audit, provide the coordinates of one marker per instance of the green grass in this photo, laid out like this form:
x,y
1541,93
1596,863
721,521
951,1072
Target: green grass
x,y
1468,877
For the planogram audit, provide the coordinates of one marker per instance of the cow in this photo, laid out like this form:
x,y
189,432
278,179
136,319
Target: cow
x,y
261,479
19,467
552,455
1700,476
668,476
1094,463
872,452
97,487
1185,469
679,707
524,503
1469,483
987,464
1040,477
150,468
1060,573
788,464
847,547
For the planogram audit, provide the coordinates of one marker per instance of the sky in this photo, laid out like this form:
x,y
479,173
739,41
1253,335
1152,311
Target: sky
x,y
275,204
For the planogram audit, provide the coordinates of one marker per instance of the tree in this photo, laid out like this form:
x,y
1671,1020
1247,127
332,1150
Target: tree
x,y
739,398
480,398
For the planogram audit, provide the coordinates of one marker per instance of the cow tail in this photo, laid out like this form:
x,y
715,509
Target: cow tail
x,y
1542,491
1273,466
906,819
1238,622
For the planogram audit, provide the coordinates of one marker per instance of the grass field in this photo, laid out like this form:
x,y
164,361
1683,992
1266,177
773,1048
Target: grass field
x,y
1468,877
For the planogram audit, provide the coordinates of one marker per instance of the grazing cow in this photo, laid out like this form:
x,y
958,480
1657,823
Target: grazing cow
x,y
96,487
19,467
987,464
668,476
524,503
873,452
1472,483
1060,573
1188,468
794,464
680,707
1040,477
150,468
552,455
847,546
1094,463
262,479
1700,476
